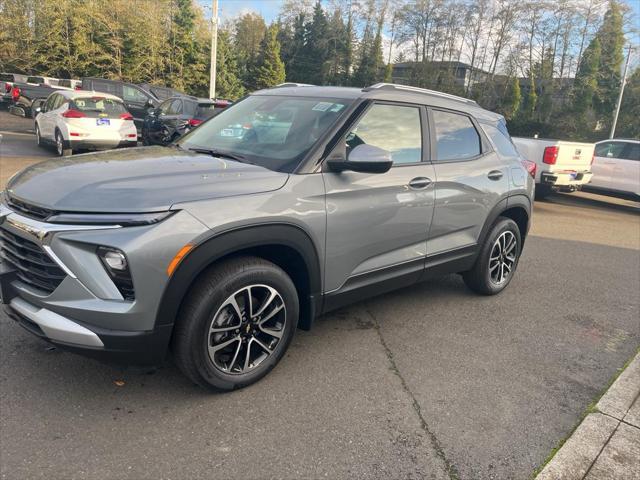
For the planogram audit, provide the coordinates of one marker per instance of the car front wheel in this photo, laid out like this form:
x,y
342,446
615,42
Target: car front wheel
x,y
498,259
236,323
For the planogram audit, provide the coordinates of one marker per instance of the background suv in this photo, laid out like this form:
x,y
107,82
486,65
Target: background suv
x,y
290,203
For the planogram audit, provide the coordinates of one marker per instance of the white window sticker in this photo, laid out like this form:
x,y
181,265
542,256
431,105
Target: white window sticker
x,y
322,106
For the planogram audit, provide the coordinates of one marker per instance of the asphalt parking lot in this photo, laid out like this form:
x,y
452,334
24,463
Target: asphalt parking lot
x,y
429,382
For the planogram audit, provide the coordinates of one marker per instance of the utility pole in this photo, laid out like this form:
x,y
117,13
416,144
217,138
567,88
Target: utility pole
x,y
214,48
624,81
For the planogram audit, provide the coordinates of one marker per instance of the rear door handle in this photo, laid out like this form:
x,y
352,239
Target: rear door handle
x,y
419,183
495,175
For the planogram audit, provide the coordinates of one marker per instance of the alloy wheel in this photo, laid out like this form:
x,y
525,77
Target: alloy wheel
x,y
246,329
503,257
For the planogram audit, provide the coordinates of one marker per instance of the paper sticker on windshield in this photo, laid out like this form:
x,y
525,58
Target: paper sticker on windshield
x,y
322,106
336,107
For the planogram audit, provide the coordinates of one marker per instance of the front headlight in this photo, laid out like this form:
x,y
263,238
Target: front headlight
x,y
122,219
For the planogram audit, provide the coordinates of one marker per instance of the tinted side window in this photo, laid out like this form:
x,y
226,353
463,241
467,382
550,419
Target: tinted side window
x,y
175,108
394,128
164,107
501,141
631,151
610,149
132,94
104,87
456,137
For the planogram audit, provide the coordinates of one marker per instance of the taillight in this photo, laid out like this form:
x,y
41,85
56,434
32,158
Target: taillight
x,y
71,113
126,116
15,94
530,167
7,87
194,122
550,155
593,157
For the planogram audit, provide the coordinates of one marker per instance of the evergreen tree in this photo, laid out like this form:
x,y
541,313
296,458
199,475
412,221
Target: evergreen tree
x,y
294,62
585,85
530,101
628,125
184,49
269,70
314,55
611,39
250,30
511,100
228,84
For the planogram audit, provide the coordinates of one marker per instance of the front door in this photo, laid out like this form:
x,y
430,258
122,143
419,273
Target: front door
x,y
137,103
377,223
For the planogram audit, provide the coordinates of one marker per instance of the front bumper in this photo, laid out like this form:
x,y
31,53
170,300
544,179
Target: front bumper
x,y
84,313
566,179
123,347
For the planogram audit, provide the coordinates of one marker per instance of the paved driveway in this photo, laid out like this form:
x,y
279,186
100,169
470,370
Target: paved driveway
x,y
429,382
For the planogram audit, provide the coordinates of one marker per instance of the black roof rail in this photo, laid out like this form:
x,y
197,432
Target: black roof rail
x,y
395,86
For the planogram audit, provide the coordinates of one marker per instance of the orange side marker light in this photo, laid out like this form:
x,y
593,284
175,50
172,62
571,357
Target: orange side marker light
x,y
178,258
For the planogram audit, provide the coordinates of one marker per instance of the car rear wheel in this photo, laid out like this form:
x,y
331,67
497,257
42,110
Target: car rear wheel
x,y
60,147
236,323
498,259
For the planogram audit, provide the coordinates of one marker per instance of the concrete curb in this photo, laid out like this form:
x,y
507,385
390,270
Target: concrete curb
x,y
607,442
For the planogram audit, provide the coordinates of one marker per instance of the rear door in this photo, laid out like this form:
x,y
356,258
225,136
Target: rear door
x,y
137,102
377,223
626,171
470,180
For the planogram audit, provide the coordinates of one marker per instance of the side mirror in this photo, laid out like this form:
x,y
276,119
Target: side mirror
x,y
151,111
363,158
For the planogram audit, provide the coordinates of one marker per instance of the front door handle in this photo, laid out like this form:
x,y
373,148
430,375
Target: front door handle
x,y
419,183
495,175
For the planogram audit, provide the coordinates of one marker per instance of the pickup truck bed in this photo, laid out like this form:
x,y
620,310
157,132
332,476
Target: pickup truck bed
x,y
563,166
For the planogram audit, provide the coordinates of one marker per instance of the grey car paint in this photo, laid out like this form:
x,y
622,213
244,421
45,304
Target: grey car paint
x,y
358,223
138,180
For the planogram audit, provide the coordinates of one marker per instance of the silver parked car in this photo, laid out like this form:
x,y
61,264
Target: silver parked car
x,y
292,202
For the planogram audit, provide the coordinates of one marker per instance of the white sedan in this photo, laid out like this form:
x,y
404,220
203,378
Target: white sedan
x,y
616,166
82,120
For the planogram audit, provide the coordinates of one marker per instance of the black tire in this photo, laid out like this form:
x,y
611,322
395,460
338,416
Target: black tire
x,y
60,148
479,278
206,303
38,138
543,191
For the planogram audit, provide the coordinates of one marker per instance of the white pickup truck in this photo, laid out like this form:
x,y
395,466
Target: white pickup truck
x,y
562,166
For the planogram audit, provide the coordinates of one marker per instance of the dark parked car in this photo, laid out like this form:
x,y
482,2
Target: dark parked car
x,y
136,99
177,116
160,92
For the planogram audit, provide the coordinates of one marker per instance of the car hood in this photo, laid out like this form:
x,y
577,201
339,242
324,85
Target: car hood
x,y
139,179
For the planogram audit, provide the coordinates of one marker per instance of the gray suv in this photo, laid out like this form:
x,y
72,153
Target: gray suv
x,y
294,201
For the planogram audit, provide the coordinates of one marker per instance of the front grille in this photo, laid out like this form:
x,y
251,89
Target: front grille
x,y
28,209
33,266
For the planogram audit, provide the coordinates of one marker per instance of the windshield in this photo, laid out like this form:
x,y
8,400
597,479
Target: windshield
x,y
275,132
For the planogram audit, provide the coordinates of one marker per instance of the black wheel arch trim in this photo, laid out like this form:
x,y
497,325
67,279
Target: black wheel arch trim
x,y
221,244
502,206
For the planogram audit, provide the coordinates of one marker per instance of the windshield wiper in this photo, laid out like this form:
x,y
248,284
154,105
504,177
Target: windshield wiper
x,y
218,153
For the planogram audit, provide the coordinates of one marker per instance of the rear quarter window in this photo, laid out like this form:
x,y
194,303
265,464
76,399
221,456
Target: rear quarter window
x,y
501,140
